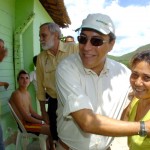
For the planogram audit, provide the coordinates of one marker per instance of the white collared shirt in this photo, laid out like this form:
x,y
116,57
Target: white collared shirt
x,y
33,79
79,88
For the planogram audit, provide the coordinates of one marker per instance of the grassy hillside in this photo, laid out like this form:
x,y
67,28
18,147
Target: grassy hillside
x,y
125,59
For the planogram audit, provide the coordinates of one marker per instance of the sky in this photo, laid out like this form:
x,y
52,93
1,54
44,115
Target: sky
x,y
131,19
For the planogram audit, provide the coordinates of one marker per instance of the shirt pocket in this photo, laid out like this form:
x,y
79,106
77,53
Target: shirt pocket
x,y
50,67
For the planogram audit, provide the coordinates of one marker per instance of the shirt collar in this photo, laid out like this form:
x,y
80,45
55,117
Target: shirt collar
x,y
61,47
104,70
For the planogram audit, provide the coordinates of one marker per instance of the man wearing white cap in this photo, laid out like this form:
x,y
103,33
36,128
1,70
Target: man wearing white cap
x,y
93,91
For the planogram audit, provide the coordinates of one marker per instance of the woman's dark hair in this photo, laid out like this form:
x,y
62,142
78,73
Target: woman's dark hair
x,y
141,56
21,72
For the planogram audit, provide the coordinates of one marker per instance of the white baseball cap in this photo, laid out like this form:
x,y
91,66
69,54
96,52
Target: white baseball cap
x,y
99,22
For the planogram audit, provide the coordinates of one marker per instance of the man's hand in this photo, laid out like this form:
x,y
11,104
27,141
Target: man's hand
x,y
45,117
6,85
44,112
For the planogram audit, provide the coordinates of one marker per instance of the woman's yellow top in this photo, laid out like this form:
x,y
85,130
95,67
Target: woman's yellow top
x,y
137,142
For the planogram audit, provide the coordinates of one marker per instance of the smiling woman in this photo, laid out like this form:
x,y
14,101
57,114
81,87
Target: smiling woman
x,y
139,108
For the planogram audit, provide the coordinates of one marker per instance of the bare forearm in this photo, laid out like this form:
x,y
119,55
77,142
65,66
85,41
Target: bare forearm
x,y
31,119
97,124
44,112
42,106
110,127
3,83
37,116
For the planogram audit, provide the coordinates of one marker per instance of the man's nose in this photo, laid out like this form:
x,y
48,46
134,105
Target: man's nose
x,y
88,45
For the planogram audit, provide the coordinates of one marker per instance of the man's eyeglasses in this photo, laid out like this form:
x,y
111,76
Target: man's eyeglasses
x,y
95,41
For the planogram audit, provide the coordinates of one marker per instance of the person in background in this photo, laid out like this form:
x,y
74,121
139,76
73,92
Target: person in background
x,y
69,39
3,50
20,101
93,91
3,54
54,50
33,74
139,107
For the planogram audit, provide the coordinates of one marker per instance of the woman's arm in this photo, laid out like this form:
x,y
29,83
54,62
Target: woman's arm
x,y
125,113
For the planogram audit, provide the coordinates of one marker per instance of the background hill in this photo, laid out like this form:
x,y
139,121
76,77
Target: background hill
x,y
125,59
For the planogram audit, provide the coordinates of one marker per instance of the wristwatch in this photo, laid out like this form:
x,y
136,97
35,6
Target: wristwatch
x,y
142,131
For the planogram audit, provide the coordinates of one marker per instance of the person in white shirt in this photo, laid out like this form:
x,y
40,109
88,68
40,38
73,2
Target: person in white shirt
x,y
93,91
33,74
